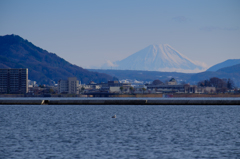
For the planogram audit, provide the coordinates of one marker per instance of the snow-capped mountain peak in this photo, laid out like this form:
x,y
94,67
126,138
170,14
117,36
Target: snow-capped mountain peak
x,y
160,57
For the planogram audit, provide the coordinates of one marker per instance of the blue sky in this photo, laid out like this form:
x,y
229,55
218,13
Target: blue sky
x,y
88,33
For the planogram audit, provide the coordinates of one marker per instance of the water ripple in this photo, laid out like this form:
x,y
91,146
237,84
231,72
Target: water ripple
x,y
137,132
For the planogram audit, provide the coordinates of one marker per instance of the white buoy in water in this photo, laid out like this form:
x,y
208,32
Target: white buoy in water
x,y
114,116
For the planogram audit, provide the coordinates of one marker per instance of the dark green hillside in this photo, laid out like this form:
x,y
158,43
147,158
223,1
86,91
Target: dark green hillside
x,y
15,52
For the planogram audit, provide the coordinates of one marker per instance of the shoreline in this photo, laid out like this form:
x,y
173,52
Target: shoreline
x,y
174,95
168,101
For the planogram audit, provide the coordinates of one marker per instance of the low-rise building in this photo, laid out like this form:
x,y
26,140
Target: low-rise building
x,y
140,88
111,86
32,83
166,88
114,89
172,81
196,89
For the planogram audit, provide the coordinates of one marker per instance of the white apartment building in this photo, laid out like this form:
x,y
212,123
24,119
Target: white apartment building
x,y
63,86
69,86
73,85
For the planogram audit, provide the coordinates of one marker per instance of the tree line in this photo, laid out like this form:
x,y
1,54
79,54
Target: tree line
x,y
221,85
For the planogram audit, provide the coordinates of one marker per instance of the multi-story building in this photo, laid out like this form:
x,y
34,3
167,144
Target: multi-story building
x,y
73,84
63,86
69,86
14,81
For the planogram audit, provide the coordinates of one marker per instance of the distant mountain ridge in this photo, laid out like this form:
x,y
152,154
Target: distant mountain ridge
x,y
192,78
43,67
227,63
157,58
230,69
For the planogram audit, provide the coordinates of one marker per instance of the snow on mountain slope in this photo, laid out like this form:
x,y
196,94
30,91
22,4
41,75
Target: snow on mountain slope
x,y
157,58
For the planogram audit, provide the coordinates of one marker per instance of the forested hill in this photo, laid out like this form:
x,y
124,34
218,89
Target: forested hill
x,y
43,67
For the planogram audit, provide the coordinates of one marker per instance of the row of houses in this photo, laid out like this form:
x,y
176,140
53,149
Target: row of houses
x,y
15,81
186,88
71,86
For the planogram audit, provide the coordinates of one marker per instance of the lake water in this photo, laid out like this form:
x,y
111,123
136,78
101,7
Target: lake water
x,y
138,131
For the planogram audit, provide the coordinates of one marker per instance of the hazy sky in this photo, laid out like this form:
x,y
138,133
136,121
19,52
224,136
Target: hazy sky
x,y
88,33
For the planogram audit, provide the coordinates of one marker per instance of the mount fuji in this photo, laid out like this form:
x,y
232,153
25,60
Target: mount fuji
x,y
157,58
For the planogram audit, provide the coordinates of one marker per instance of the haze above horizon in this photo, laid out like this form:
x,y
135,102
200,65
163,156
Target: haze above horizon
x,y
89,33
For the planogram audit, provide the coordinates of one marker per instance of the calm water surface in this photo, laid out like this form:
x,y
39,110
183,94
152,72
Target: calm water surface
x,y
137,132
